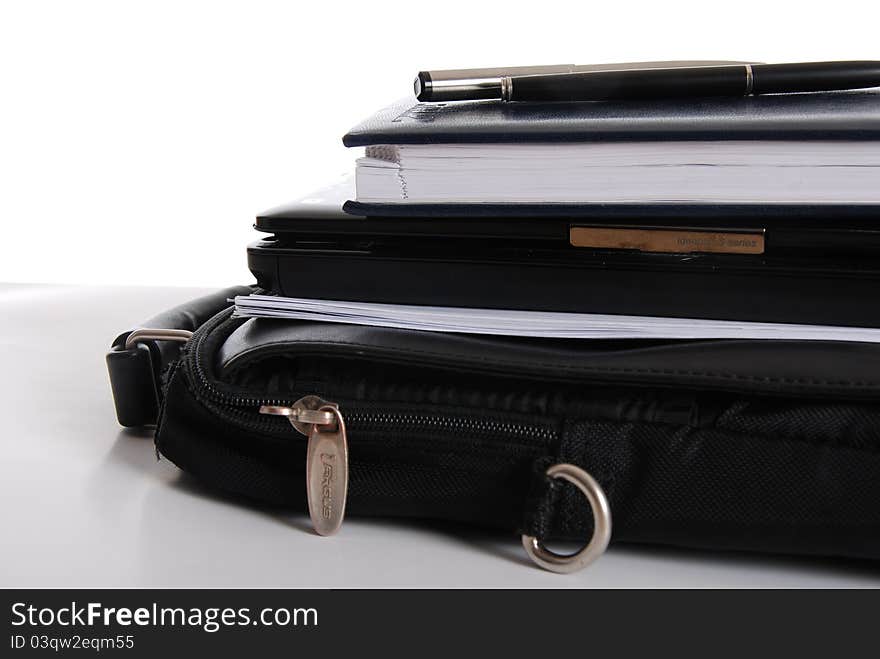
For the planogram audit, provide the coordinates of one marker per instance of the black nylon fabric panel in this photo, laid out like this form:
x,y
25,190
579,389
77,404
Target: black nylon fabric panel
x,y
854,426
776,476
397,474
711,487
225,458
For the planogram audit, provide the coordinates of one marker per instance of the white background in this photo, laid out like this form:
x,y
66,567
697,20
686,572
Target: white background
x,y
138,140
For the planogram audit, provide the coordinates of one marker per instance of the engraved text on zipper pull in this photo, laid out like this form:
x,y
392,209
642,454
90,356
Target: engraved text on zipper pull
x,y
326,458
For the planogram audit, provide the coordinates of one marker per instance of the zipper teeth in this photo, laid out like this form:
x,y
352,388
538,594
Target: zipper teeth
x,y
441,422
214,392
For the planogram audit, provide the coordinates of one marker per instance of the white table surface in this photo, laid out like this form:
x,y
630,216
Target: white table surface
x,y
85,503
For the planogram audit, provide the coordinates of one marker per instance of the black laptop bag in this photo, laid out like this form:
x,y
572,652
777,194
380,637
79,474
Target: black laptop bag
x,y
765,446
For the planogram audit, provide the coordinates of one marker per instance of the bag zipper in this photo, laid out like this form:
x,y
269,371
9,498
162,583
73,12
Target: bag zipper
x,y
327,427
326,458
241,408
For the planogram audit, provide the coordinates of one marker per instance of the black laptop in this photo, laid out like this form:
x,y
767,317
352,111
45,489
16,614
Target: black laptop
x,y
808,264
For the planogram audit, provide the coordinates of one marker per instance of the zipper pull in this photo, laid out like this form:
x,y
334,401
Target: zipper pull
x,y
326,458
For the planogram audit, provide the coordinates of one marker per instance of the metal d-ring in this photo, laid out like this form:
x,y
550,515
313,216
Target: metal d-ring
x,y
563,563
138,335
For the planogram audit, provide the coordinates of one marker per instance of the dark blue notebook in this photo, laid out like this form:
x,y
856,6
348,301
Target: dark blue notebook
x,y
793,150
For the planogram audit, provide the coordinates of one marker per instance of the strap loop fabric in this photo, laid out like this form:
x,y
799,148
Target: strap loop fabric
x,y
135,371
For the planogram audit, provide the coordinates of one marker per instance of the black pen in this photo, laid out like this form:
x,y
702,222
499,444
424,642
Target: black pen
x,y
650,82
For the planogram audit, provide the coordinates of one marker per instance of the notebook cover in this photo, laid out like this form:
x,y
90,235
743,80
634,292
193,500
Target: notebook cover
x,y
850,115
326,205
758,213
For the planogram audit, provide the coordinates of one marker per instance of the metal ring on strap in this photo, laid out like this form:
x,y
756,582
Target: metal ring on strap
x,y
601,525
139,335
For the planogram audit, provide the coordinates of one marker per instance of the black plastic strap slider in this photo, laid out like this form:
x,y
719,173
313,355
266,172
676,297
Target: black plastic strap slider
x,y
133,384
132,366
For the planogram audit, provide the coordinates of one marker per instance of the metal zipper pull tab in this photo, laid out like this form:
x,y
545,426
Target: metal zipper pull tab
x,y
326,458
